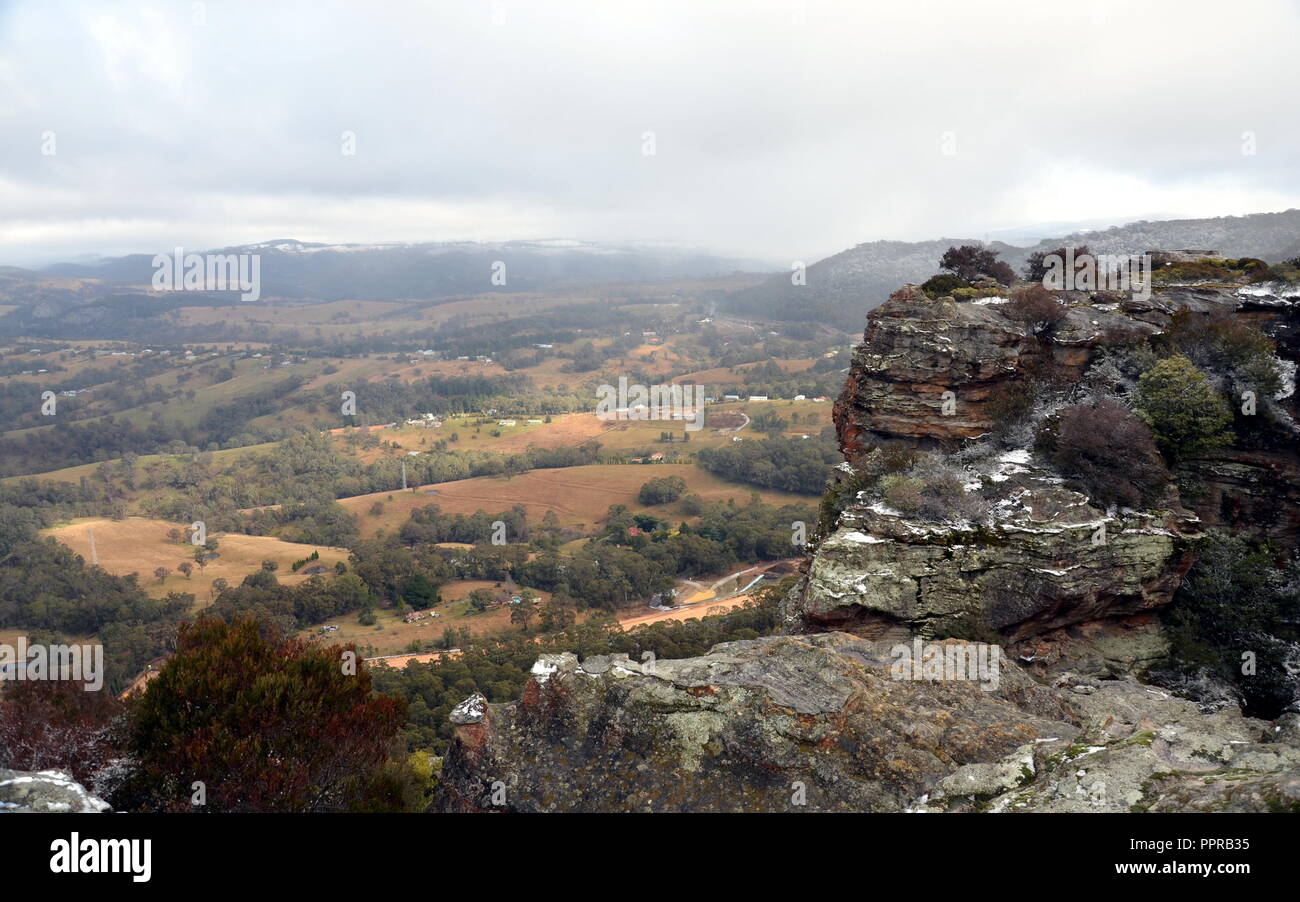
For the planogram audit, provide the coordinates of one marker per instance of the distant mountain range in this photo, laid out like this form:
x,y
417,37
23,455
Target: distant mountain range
x,y
842,289
331,272
839,291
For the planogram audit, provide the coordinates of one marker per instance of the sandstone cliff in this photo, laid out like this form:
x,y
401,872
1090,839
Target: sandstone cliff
x,y
1058,577
819,723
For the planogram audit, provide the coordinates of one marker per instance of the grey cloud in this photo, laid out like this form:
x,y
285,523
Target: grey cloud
x,y
782,129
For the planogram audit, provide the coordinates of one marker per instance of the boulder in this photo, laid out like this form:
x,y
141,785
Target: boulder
x,y
45,791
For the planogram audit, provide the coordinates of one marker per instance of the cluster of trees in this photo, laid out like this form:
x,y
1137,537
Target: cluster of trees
x,y
662,490
727,534
313,521
597,575
304,472
50,591
1238,359
68,442
1206,382
393,400
616,571
785,464
429,524
288,608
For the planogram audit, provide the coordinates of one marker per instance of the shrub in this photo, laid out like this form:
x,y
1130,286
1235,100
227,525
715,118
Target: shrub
x,y
897,457
1036,307
1207,269
943,284
1115,372
1108,450
933,490
1010,402
1256,270
1241,357
1185,413
843,491
902,493
266,722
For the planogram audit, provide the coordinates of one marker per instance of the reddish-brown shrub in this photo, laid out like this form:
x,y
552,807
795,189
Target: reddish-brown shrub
x,y
1108,450
1036,307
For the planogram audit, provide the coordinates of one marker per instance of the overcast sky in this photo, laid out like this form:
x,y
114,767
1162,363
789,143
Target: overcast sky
x,y
783,129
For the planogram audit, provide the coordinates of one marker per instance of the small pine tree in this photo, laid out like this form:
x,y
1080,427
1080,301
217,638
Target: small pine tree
x,y
1185,413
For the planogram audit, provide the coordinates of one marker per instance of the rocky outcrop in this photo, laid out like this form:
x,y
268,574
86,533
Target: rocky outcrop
x,y
1144,750
915,350
45,791
1043,561
1032,573
930,371
826,723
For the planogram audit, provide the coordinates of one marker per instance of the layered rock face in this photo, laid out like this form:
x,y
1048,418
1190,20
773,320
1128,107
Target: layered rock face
x,y
917,350
1047,561
827,723
1256,492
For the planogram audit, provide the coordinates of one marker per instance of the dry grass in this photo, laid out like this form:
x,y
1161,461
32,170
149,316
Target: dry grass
x,y
140,545
579,496
389,635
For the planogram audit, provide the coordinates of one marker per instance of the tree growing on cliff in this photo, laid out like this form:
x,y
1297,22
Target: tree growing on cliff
x,y
970,262
1233,619
1185,413
1036,263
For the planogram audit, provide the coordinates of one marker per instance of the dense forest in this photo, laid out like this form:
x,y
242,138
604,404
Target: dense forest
x,y
787,464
